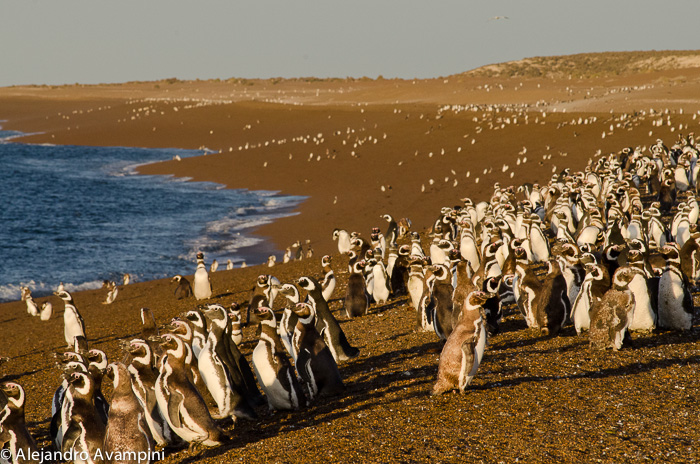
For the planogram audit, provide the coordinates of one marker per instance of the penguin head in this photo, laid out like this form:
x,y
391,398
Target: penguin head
x,y
326,260
290,292
307,283
265,315
216,314
65,296
97,359
181,328
303,310
176,278
196,317
670,252
119,375
477,298
623,276
14,393
139,350
173,345
81,382
67,357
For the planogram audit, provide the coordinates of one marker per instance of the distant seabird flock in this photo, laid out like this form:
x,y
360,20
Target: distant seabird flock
x,y
610,250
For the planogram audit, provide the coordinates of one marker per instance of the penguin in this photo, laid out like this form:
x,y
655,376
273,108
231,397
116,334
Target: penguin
x,y
271,261
595,284
214,266
126,279
183,289
552,302
356,296
199,330
13,428
289,319
275,374
690,256
202,285
567,257
392,231
326,324
381,288
526,287
148,324
287,257
442,296
538,241
675,301
74,326
343,238
416,249
315,363
127,429
234,315
464,349
221,376
229,264
644,317
143,384
84,430
611,315
426,303
463,287
46,311
32,307
264,294
416,277
328,283
182,405
112,292
399,274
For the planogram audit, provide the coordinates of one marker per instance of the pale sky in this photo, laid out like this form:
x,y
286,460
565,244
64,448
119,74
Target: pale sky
x,y
101,41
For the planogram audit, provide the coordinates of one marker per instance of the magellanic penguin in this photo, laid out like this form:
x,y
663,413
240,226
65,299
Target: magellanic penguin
x,y
315,364
416,278
234,315
13,428
464,348
644,317
183,406
382,286
442,295
611,315
275,374
127,429
32,307
326,324
675,301
83,429
343,238
74,326
143,383
112,292
552,302
595,284
356,296
202,285
46,311
288,321
398,276
328,283
690,256
183,289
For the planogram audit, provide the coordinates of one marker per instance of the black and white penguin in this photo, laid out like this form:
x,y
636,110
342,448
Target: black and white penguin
x,y
183,289
356,297
328,283
127,429
112,292
343,238
143,382
83,428
32,307
288,321
214,266
611,315
442,295
74,326
595,284
464,349
234,315
526,288
675,301
198,322
552,301
326,324
315,364
202,285
398,276
13,428
416,278
392,231
178,399
644,317
690,256
221,373
46,311
381,289
275,374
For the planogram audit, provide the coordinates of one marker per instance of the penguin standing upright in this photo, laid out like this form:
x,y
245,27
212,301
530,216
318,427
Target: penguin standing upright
x,y
392,231
464,349
83,428
356,296
202,285
595,284
74,326
127,429
13,428
399,273
314,361
416,278
326,324
675,301
183,289
611,315
552,302
442,295
272,368
343,238
46,311
234,315
182,405
382,286
328,283
288,321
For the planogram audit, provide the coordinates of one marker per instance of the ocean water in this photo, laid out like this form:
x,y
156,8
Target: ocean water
x,y
80,215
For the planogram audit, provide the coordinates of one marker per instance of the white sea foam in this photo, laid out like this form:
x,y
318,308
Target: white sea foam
x,y
12,292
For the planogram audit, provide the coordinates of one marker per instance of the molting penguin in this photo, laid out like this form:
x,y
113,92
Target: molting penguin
x,y
326,324
314,362
675,301
183,289
202,285
183,406
611,315
127,429
272,368
464,348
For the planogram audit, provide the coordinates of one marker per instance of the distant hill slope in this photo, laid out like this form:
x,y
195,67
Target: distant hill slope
x,y
592,64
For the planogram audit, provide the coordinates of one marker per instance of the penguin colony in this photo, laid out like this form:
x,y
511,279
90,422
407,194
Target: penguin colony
x,y
591,249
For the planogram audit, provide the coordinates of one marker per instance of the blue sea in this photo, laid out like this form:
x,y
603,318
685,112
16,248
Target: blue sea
x,y
81,215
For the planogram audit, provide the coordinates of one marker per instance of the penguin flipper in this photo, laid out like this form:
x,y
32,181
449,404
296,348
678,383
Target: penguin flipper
x,y
174,404
468,350
69,438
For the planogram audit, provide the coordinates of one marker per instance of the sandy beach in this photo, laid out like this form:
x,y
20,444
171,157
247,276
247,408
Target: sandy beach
x,y
360,148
